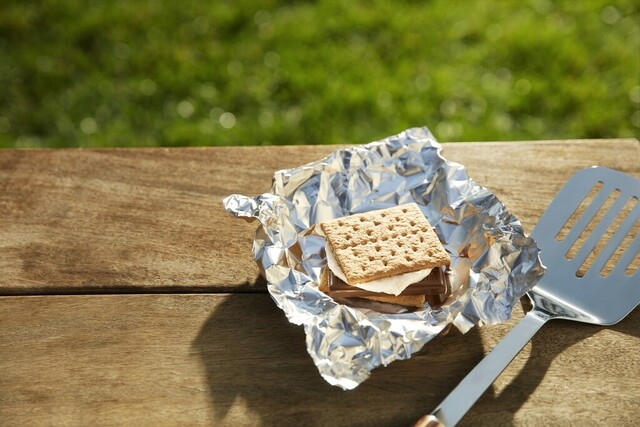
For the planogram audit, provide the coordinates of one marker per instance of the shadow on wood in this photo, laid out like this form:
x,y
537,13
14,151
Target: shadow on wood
x,y
263,375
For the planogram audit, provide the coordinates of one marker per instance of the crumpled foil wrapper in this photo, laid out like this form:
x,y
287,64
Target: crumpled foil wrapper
x,y
493,262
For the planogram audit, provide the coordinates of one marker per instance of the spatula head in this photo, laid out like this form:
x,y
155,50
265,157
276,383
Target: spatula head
x,y
590,242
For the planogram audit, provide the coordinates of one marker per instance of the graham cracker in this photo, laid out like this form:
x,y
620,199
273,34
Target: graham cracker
x,y
384,243
416,301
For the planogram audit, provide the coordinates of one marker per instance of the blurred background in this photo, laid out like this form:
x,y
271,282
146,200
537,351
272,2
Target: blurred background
x,y
161,73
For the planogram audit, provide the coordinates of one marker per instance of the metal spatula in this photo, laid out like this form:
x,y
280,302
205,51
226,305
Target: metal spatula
x,y
595,215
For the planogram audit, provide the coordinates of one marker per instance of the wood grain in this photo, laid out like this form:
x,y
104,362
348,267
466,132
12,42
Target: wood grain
x,y
151,220
234,360
129,220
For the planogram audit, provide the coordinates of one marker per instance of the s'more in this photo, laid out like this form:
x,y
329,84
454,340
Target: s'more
x,y
390,255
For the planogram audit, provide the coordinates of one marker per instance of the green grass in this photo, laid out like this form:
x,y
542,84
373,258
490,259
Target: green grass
x,y
145,73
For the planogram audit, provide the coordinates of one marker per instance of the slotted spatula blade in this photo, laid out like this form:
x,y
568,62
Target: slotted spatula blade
x,y
590,242
586,223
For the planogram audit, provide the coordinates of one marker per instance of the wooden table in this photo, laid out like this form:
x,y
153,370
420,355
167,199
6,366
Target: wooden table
x,y
130,297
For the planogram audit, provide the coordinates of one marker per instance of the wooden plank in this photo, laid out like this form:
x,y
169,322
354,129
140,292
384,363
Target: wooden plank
x,y
151,220
234,360
127,220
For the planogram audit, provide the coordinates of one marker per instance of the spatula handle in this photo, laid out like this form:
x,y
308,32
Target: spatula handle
x,y
460,400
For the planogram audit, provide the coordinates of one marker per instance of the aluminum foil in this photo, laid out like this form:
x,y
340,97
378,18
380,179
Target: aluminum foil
x,y
493,262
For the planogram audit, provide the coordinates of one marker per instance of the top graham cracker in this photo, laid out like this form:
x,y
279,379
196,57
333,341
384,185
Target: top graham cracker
x,y
384,243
